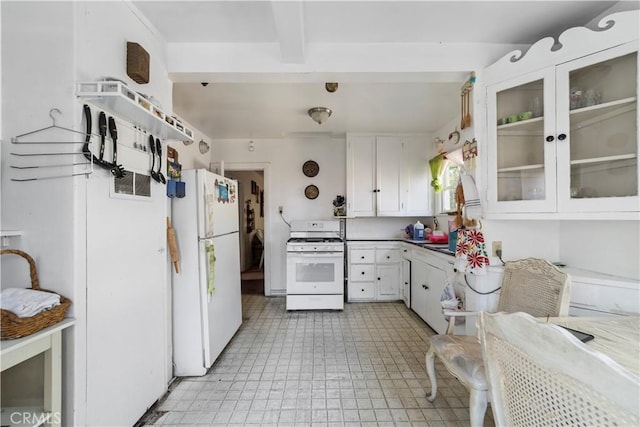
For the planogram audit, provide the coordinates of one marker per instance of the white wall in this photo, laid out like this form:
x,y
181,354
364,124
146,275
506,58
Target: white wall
x,y
286,188
38,75
128,304
85,242
382,228
190,156
609,247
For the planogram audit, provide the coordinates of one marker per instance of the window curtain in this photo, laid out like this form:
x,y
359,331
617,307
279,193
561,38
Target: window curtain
x,y
437,165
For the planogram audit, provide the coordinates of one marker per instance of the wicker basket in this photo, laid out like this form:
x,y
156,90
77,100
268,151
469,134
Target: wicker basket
x,y
16,327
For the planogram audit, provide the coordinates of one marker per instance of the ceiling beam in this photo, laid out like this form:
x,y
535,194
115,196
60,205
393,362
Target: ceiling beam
x,y
289,23
198,62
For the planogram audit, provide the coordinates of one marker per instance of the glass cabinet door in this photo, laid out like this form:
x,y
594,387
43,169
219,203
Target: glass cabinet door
x,y
597,131
522,164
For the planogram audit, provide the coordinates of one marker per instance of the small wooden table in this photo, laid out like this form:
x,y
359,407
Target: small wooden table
x,y
615,336
13,352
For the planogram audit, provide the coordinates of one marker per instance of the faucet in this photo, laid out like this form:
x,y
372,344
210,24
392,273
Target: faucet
x,y
435,223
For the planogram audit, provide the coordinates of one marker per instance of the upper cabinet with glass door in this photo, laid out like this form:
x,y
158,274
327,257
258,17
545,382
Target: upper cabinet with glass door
x,y
563,140
597,126
523,170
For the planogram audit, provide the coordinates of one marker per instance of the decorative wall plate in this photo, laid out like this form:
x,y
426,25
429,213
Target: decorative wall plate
x,y
311,192
310,168
203,146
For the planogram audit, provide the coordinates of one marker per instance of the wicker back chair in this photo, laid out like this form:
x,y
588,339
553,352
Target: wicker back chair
x,y
531,285
540,375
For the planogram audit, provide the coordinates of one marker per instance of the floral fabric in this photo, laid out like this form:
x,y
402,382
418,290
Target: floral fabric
x,y
471,252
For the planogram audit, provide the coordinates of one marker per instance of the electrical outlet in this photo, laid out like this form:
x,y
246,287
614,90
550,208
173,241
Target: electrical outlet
x,y
495,247
280,209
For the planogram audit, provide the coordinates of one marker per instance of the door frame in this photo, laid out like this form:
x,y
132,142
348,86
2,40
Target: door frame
x,y
265,168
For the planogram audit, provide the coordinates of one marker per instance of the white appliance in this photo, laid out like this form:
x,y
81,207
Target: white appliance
x,y
206,226
315,266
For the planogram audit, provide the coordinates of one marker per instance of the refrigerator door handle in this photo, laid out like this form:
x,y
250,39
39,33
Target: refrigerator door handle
x,y
217,235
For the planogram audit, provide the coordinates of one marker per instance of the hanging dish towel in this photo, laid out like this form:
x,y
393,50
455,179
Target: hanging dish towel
x,y
471,198
211,264
471,252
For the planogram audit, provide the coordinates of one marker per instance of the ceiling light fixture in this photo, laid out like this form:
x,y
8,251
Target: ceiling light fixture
x,y
319,114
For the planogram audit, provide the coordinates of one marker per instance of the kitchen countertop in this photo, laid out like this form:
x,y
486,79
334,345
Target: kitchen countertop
x,y
442,248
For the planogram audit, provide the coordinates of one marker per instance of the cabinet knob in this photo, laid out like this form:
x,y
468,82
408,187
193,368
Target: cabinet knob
x,y
361,257
388,257
562,137
362,290
550,138
378,278
362,272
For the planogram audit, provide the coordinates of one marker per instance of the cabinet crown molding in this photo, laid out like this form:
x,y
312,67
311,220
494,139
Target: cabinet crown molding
x,y
617,28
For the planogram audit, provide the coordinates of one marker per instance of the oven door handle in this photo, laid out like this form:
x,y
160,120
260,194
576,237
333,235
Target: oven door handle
x,y
315,254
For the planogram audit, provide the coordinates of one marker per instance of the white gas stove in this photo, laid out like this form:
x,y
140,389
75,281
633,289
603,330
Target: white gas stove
x,y
315,266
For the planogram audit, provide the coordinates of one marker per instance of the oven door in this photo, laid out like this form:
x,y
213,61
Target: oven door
x,y
315,273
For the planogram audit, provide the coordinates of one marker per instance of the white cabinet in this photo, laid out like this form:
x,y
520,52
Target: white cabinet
x,y
361,285
406,282
595,294
415,177
361,176
428,280
564,139
388,282
419,288
387,176
405,285
374,272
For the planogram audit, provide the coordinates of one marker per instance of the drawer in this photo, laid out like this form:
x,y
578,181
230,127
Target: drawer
x,y
387,256
361,272
361,291
362,256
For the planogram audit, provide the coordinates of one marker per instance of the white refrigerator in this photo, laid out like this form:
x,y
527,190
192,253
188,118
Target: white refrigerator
x,y
206,300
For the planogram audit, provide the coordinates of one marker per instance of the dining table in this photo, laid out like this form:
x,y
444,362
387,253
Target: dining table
x,y
618,337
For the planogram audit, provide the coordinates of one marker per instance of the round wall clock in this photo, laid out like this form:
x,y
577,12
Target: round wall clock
x,y
310,168
311,192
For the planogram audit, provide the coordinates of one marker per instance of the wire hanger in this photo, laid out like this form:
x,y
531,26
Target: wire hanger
x,y
38,163
15,139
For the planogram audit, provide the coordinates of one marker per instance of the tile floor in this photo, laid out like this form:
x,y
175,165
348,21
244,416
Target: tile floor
x,y
363,366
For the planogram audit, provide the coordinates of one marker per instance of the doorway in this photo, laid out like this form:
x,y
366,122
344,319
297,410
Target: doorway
x,y
251,194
